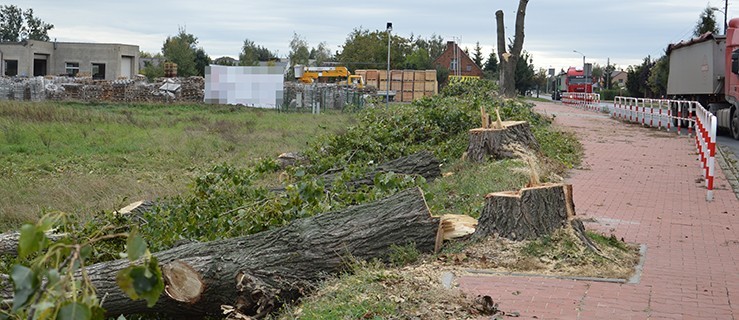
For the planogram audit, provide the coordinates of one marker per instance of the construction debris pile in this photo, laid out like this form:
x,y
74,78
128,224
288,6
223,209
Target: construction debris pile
x,y
88,90
316,97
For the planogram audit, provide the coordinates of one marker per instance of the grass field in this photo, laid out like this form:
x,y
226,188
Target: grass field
x,y
83,158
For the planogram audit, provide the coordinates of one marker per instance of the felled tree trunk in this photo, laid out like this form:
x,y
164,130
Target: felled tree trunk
x,y
497,143
258,273
530,213
422,163
9,242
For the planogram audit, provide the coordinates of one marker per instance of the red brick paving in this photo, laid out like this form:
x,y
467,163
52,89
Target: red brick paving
x,y
645,186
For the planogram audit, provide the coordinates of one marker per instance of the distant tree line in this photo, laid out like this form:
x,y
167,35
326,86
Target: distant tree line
x,y
362,49
649,79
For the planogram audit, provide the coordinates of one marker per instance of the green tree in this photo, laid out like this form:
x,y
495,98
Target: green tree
x,y
151,70
597,73
299,53
249,54
419,59
491,66
608,71
524,74
181,50
540,79
637,79
434,45
658,76
202,60
16,25
706,22
477,55
321,54
365,49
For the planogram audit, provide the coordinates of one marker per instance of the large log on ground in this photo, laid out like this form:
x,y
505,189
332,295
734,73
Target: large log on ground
x,y
422,163
258,273
498,143
530,213
9,242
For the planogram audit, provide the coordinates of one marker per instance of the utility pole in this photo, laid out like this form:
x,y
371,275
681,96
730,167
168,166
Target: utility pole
x,y
726,11
389,27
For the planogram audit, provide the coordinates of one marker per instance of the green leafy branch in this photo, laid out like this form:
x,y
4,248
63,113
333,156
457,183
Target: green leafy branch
x,y
52,281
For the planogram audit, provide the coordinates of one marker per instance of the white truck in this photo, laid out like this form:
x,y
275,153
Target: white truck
x,y
706,69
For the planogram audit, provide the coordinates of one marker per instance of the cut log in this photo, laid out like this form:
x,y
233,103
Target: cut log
x,y
136,208
456,226
9,242
258,273
422,163
530,213
494,142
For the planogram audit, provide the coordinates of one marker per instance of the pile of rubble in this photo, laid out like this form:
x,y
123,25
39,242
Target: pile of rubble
x,y
86,89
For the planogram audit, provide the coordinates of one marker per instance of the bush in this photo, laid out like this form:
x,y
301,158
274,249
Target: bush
x,y
609,94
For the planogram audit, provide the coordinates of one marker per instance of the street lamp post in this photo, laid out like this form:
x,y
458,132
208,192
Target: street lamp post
x,y
726,9
585,77
389,27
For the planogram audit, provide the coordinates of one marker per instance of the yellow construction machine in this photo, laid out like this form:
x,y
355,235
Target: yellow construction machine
x,y
339,75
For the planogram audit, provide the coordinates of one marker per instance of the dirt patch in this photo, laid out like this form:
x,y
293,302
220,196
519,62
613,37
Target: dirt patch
x,y
561,254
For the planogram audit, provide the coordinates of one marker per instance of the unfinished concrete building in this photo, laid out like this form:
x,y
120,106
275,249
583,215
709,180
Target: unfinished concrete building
x,y
104,61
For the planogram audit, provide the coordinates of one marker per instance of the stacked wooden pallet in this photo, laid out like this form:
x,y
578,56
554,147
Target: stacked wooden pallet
x,y
408,85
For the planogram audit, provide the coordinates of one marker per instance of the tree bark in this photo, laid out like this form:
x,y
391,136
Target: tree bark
x,y
9,242
507,59
530,213
260,272
496,143
422,163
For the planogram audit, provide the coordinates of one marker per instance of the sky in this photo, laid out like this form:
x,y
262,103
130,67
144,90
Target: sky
x,y
623,32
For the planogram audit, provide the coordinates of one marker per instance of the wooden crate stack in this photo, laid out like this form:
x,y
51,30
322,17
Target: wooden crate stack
x,y
383,78
408,85
431,85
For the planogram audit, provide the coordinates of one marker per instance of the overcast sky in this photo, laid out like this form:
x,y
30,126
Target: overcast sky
x,y
625,31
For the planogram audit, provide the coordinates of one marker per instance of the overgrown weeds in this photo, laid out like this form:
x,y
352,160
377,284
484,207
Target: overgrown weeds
x,y
86,158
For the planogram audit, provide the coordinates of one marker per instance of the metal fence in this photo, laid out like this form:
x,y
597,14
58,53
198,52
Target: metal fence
x,y
321,97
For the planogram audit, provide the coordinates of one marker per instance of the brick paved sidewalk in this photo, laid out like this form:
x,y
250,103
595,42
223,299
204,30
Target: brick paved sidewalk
x,y
645,186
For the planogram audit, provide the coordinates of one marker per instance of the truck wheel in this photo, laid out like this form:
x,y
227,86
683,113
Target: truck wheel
x,y
735,124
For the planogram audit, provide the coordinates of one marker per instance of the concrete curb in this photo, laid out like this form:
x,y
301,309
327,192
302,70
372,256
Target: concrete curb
x,y
728,163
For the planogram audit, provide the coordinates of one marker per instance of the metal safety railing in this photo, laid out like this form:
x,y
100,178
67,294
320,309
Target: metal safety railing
x,y
705,141
675,115
588,101
660,113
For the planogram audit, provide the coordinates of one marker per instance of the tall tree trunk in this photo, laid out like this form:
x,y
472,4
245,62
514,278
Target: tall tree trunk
x,y
507,59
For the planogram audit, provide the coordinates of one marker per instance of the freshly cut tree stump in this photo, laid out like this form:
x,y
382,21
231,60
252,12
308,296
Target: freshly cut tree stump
x,y
496,142
256,274
530,213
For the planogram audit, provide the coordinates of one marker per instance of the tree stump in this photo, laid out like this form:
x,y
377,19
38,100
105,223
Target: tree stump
x,y
497,142
530,213
256,274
